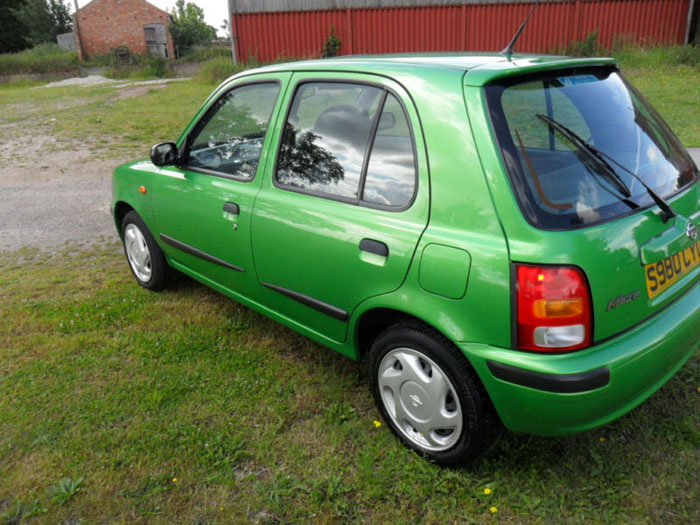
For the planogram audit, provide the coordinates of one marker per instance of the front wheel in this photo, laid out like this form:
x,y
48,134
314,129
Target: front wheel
x,y
430,396
145,258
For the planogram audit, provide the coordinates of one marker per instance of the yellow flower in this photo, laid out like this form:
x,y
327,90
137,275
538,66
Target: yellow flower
x,y
699,390
221,509
377,423
174,480
487,491
493,510
602,439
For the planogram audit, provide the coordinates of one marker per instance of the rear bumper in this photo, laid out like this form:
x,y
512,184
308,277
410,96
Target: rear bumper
x,y
557,395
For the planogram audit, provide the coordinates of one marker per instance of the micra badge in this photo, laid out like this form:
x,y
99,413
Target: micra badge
x,y
622,299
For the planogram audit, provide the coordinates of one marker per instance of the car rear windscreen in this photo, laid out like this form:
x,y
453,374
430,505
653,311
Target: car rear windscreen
x,y
579,145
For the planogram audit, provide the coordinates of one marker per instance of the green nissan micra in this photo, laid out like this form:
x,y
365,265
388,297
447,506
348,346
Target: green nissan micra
x,y
507,241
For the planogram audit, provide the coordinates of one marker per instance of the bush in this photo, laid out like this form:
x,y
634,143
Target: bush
x,y
633,56
331,46
588,47
44,58
205,53
217,70
657,57
142,67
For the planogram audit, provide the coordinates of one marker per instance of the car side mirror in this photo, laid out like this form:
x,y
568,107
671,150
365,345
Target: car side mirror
x,y
164,154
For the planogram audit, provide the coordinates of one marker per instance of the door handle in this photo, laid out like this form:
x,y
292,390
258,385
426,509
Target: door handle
x,y
232,208
375,247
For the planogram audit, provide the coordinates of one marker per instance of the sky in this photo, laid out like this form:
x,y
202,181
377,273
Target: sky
x,y
214,10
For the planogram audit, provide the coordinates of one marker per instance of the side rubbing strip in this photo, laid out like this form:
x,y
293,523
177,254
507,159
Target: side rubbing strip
x,y
198,253
324,308
559,383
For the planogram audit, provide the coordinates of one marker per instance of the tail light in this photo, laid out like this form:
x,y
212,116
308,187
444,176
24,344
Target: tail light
x,y
553,308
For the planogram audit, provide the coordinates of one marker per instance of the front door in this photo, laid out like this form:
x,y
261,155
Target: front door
x,y
202,208
344,204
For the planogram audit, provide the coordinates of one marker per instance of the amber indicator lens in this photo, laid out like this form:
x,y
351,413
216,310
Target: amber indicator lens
x,y
142,189
561,308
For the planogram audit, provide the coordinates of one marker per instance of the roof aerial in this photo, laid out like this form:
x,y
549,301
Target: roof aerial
x,y
508,51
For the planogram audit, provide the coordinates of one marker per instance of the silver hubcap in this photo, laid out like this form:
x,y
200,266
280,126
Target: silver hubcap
x,y
137,252
420,399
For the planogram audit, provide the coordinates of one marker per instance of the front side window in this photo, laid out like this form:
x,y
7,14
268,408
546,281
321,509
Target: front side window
x,y
550,127
229,139
350,142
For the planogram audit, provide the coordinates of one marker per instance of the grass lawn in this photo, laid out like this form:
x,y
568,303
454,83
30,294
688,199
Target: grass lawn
x,y
675,93
121,405
186,407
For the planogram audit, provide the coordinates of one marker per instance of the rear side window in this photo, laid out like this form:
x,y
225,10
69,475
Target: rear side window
x,y
391,171
348,142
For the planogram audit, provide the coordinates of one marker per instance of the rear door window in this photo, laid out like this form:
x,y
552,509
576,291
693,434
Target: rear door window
x,y
348,142
391,171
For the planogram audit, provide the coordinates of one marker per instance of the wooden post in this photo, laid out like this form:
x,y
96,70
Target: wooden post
x,y
688,26
231,32
81,53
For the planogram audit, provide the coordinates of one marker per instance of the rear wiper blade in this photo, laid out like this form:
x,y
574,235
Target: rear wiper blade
x,y
600,156
591,152
668,212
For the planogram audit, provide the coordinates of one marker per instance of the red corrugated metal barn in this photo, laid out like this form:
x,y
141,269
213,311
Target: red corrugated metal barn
x,y
268,29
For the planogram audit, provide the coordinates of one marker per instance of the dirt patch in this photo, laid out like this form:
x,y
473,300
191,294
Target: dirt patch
x,y
91,80
135,91
52,192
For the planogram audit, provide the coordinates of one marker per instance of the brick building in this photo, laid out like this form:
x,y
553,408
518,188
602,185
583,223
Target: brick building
x,y
103,25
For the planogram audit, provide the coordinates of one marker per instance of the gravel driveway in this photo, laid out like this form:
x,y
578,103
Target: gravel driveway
x,y
54,192
54,198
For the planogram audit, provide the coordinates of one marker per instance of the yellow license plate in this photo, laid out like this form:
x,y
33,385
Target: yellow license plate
x,y
664,273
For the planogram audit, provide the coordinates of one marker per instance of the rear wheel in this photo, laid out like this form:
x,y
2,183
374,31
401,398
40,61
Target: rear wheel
x,y
145,258
429,395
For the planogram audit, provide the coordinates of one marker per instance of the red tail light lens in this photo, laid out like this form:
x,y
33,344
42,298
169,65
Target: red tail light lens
x,y
553,308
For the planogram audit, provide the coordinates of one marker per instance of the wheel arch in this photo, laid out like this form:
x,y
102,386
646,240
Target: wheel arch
x,y
374,321
121,208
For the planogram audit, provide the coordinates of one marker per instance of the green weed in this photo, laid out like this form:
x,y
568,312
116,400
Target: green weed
x,y
66,489
21,510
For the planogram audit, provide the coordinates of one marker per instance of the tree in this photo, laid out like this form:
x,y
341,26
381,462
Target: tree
x,y
225,28
14,34
45,19
189,28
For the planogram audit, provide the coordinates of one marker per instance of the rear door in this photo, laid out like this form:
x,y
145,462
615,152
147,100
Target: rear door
x,y
345,201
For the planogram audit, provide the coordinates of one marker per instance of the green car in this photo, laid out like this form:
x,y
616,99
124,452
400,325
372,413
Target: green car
x,y
507,241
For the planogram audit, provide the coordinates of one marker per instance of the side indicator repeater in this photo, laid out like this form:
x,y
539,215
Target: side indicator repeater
x,y
142,189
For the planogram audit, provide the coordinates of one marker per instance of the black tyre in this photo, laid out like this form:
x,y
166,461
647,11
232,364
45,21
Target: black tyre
x,y
145,258
430,396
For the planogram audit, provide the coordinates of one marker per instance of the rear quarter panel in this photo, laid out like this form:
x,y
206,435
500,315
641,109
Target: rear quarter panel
x,y
462,216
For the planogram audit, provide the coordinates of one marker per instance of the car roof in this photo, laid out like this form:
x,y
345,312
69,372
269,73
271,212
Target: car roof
x,y
480,67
